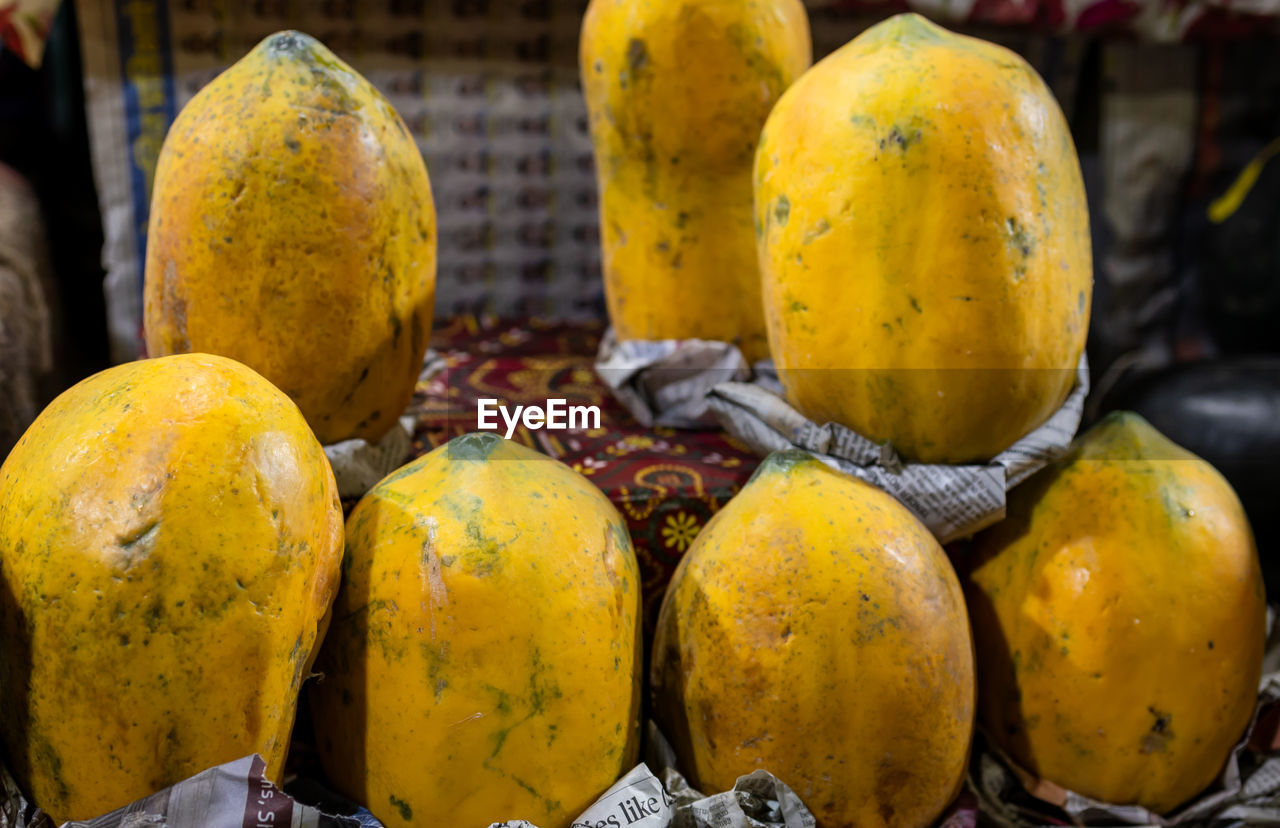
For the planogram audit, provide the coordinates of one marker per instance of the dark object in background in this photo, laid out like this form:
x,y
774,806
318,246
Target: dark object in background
x,y
27,321
1240,259
1227,412
44,137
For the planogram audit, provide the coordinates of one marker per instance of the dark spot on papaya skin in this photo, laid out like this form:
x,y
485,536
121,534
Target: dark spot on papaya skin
x,y
782,210
900,139
637,55
1161,731
406,813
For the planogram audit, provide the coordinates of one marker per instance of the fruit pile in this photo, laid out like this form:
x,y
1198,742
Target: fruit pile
x,y
174,565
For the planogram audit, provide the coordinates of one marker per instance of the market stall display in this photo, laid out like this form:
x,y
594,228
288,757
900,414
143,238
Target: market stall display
x,y
501,614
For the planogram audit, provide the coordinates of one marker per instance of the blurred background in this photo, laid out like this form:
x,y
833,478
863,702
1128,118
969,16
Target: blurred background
x,y
1174,106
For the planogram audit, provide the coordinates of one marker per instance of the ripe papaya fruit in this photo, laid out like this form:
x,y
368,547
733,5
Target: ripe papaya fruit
x,y
924,243
1119,614
676,94
170,539
484,658
816,629
293,229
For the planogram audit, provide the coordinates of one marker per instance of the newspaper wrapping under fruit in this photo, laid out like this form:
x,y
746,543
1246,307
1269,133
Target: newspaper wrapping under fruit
x,y
666,382
237,795
694,383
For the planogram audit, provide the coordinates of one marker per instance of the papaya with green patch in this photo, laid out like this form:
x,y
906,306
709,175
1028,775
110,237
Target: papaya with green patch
x,y
924,243
293,229
816,629
1120,619
484,658
676,93
170,540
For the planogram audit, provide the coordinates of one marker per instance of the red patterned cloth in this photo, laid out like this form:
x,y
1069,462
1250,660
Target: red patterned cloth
x,y
25,26
666,483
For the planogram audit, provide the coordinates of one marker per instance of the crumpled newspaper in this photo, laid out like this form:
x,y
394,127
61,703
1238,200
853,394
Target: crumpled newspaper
x,y
1246,793
666,382
234,795
358,465
953,501
641,800
238,795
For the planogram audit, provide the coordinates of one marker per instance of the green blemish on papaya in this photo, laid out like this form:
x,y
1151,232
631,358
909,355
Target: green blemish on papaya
x,y
1176,510
900,138
819,230
862,120
551,805
1080,302
783,462
798,307
905,29
621,537
637,55
782,210
474,446
1018,237
915,305
406,813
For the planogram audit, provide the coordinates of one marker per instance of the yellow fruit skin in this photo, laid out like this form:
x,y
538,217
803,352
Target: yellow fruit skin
x,y
816,629
293,229
483,663
924,243
170,540
1119,617
677,91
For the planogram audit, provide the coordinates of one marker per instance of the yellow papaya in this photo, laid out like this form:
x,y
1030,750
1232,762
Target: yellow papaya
x,y
292,229
170,539
1119,616
676,93
924,243
483,663
816,629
